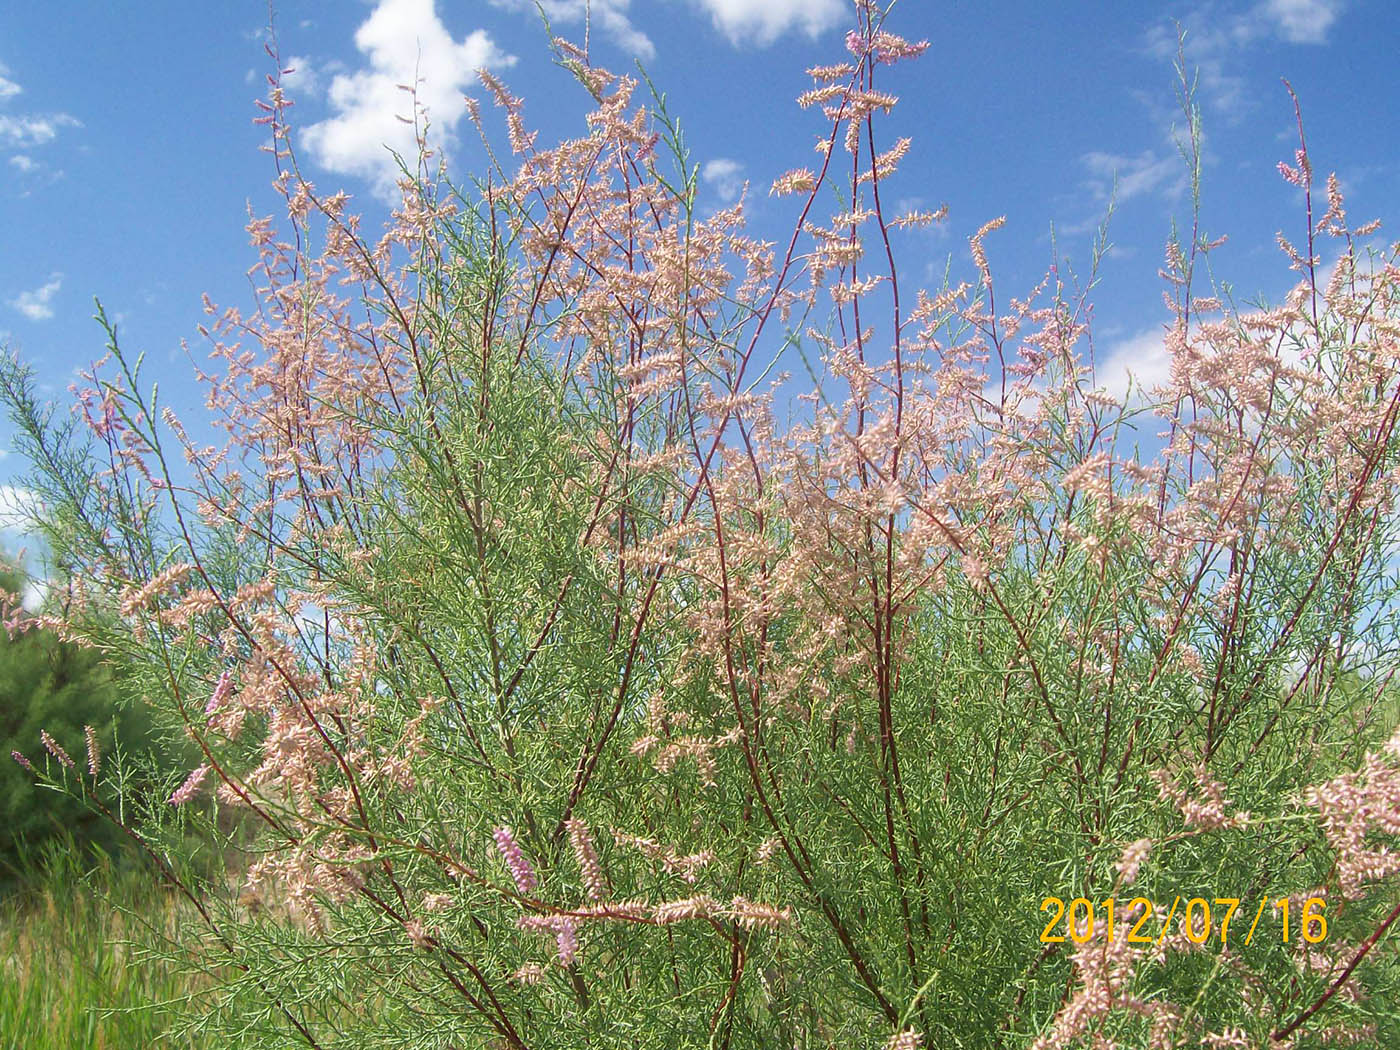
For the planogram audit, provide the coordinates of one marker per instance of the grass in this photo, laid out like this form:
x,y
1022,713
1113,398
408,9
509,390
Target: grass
x,y
73,971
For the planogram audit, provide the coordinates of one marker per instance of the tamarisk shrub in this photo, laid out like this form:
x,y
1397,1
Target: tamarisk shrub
x,y
585,687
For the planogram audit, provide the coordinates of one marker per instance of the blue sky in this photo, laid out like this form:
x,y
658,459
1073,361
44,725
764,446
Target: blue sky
x,y
129,160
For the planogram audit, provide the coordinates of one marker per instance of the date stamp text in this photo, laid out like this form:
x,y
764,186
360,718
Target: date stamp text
x,y
1199,919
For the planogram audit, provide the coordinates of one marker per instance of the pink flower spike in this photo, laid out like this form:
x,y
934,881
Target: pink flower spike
x,y
566,938
186,791
1131,861
220,694
93,751
21,760
582,841
520,870
54,749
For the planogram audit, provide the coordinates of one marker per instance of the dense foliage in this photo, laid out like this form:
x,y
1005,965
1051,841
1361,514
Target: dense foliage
x,y
590,682
56,686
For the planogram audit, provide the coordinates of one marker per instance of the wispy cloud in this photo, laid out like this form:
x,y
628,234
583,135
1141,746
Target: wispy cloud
x,y
1299,21
404,42
610,17
1128,177
1122,177
725,175
760,22
1215,41
1210,53
26,131
36,305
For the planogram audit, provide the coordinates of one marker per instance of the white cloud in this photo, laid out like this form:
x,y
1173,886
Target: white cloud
x,y
1124,177
27,130
725,175
35,305
1209,49
1139,362
17,506
22,163
404,42
31,130
34,594
1135,175
302,78
1300,21
760,22
1214,43
609,16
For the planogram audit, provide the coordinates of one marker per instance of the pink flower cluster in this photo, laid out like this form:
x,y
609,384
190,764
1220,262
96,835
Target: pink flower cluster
x,y
1357,809
1206,811
520,869
587,856
185,791
220,694
53,747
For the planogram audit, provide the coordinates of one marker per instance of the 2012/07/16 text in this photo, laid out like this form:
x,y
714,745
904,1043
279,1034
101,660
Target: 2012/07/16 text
x,y
1198,923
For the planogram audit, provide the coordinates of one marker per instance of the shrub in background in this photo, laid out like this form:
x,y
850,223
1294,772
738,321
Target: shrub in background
x,y
587,688
49,685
